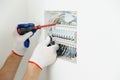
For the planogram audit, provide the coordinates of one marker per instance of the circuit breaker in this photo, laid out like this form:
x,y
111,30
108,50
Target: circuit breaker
x,y
64,33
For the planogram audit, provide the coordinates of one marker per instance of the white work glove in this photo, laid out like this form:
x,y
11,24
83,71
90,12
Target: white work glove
x,y
44,55
19,48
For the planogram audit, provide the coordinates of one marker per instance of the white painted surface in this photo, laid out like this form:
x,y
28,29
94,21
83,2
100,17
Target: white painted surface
x,y
98,37
99,40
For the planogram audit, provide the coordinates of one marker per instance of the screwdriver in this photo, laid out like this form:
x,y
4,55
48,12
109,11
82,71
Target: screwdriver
x,y
24,30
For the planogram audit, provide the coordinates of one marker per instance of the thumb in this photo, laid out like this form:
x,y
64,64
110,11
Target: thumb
x,y
27,35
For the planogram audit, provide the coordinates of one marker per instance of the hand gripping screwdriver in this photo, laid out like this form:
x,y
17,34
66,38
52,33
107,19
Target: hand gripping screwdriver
x,y
24,28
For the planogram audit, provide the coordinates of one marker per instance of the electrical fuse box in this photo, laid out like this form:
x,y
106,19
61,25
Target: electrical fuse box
x,y
64,33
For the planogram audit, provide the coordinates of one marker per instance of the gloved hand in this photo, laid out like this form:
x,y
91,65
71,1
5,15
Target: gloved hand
x,y
21,40
44,55
27,41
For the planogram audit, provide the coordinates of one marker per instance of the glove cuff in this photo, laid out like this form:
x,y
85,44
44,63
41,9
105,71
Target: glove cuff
x,y
32,62
17,54
18,50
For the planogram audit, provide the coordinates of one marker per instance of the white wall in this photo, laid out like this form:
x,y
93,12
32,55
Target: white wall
x,y
99,40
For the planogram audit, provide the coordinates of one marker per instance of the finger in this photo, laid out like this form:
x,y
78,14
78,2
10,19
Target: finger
x,y
26,36
55,47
